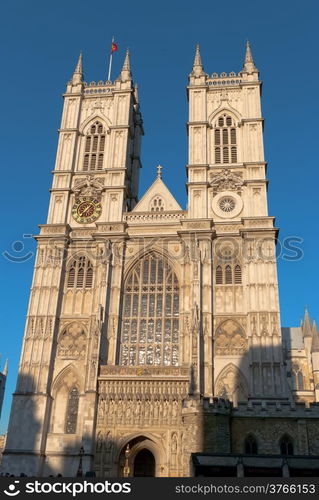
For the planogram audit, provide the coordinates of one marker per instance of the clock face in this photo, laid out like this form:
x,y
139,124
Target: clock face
x,y
86,210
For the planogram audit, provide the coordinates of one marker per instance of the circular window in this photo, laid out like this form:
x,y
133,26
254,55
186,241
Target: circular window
x,y
227,204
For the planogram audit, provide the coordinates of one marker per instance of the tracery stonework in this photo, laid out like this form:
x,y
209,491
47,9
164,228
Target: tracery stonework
x,y
72,342
232,385
230,339
153,330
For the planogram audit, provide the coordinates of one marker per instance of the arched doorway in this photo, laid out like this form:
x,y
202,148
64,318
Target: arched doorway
x,y
141,457
144,464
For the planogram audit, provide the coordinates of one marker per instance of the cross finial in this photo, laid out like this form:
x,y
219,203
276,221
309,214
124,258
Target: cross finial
x,y
159,169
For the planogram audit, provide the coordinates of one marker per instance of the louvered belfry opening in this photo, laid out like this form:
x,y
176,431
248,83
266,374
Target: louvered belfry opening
x,y
80,273
225,140
94,148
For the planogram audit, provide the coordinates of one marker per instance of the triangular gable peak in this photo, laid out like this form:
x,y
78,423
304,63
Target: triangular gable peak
x,y
157,198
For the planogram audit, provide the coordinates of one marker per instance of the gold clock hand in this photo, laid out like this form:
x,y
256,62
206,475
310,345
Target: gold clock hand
x,y
86,209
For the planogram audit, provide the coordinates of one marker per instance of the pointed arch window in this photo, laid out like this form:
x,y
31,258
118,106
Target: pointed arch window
x,y
94,148
219,275
251,446
286,445
157,204
80,273
297,378
150,314
72,411
225,140
237,274
228,274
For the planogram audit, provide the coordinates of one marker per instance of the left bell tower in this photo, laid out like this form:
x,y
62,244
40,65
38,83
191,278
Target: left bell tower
x,y
95,181
100,136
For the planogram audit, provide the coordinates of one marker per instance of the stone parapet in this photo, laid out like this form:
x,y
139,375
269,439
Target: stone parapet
x,y
276,409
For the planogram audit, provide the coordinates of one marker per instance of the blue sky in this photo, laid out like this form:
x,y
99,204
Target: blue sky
x,y
40,43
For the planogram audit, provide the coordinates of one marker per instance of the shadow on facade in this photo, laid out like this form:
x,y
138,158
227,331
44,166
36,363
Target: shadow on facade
x,y
104,458
74,457
253,427
27,449
23,452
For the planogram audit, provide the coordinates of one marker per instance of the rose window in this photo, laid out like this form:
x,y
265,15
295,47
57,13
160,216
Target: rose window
x,y
227,204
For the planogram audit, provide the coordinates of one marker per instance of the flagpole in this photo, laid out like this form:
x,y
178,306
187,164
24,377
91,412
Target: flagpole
x,y
110,63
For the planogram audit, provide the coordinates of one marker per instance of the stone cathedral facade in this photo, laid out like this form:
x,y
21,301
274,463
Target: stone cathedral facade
x,y
153,337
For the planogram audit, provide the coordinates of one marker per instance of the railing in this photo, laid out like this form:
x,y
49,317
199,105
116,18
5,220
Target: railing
x,y
154,216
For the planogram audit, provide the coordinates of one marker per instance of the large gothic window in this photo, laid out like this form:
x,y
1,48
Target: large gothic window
x,y
94,148
150,324
72,411
225,140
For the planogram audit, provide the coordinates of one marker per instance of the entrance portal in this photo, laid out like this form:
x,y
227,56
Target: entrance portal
x,y
144,464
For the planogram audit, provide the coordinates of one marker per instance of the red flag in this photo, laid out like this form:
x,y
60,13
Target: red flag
x,y
113,47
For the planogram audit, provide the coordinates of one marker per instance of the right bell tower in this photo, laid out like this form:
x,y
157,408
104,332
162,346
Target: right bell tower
x,y
227,185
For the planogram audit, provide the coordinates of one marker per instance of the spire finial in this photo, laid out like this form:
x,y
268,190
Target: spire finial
x,y
126,64
126,69
248,55
249,64
306,326
198,69
136,93
198,59
79,65
78,72
315,338
159,169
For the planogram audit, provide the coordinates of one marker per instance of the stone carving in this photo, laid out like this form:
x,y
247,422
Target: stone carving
x,y
90,186
80,233
231,384
196,225
274,325
264,323
50,229
226,181
72,342
110,227
174,443
230,339
135,402
142,371
99,442
253,323
228,228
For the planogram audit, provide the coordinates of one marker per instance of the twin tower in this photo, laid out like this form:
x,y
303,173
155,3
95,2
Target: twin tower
x,y
140,311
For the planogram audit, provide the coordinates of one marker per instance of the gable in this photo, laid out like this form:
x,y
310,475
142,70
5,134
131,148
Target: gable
x,y
157,198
